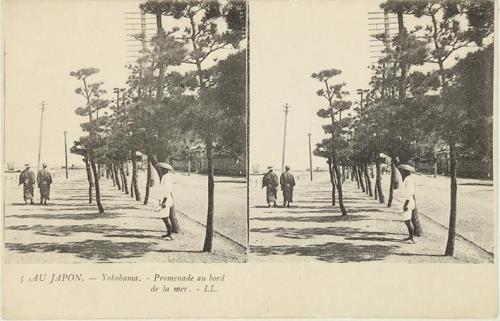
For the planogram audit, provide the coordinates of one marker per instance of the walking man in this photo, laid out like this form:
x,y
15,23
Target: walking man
x,y
44,179
270,181
27,178
166,197
287,182
408,198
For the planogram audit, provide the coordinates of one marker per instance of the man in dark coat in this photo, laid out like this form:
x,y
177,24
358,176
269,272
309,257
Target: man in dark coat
x,y
27,179
287,182
270,181
44,179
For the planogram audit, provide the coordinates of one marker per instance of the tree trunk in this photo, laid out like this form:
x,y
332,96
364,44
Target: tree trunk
x,y
361,179
97,189
89,179
435,168
339,188
148,181
134,189
332,179
117,177
176,228
450,245
368,181
110,173
343,175
391,185
209,235
378,183
419,231
124,178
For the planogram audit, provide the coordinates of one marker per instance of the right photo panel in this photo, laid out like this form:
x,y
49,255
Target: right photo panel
x,y
371,131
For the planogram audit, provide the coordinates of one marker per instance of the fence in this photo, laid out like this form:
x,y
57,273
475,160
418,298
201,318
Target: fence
x,y
465,168
222,166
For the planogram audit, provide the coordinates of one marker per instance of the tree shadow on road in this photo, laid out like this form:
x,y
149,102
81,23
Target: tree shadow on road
x,y
178,251
332,252
76,207
310,219
92,250
66,230
67,216
349,233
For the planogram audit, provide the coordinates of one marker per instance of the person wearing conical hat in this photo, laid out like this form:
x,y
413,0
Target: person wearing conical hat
x,y
27,179
44,179
165,197
287,182
407,195
270,182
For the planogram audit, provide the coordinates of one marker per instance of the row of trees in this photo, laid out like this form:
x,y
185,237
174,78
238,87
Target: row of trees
x,y
188,89
420,101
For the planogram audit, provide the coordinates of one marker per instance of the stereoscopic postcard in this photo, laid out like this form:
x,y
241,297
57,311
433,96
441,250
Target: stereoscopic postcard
x,y
249,159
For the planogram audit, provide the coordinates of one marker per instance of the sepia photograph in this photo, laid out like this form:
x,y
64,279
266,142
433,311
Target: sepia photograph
x,y
125,131
293,158
371,131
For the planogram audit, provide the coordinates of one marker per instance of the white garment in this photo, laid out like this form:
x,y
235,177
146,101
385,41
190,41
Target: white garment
x,y
409,187
164,189
407,193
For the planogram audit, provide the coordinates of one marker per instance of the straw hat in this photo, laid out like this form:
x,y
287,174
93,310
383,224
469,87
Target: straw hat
x,y
407,167
165,165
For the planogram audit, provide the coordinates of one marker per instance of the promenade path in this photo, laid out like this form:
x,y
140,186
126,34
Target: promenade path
x,y
69,230
312,230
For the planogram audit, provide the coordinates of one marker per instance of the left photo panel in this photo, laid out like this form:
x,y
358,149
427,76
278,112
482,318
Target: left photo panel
x,y
125,131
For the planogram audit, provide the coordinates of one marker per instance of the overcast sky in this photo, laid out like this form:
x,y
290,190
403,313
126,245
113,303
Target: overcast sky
x,y
290,40
44,41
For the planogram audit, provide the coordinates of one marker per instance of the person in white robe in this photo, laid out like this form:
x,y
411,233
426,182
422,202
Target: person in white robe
x,y
406,194
163,193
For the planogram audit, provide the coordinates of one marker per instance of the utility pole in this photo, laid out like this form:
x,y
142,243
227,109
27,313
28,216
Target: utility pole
x,y
286,109
310,158
40,137
66,154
